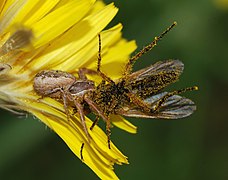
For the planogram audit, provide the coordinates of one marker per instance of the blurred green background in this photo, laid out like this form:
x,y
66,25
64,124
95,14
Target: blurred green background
x,y
191,148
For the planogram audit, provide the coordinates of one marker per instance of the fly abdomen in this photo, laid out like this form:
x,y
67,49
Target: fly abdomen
x,y
154,84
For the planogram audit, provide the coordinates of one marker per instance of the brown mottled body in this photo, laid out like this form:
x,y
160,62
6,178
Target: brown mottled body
x,y
66,87
51,83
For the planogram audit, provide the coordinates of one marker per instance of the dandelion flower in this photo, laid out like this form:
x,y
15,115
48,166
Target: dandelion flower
x,y
40,35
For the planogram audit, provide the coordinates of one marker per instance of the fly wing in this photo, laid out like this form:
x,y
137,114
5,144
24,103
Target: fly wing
x,y
175,107
151,80
157,68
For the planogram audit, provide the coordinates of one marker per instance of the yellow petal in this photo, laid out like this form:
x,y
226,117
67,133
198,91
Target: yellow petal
x,y
2,4
39,11
96,153
59,21
75,39
122,123
113,62
90,51
65,38
15,13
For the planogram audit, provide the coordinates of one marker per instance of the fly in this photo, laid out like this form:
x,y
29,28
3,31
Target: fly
x,y
139,94
135,94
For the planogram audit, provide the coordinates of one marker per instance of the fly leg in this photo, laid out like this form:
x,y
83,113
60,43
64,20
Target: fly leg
x,y
95,122
132,60
106,78
81,151
139,102
108,132
157,105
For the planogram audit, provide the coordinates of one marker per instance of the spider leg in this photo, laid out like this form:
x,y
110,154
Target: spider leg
x,y
102,115
95,108
65,103
51,92
83,71
82,116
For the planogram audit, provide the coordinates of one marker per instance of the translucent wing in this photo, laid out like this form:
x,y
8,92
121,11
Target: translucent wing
x,y
175,107
156,69
151,80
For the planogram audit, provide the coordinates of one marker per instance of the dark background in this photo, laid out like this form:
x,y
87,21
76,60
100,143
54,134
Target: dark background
x,y
191,148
